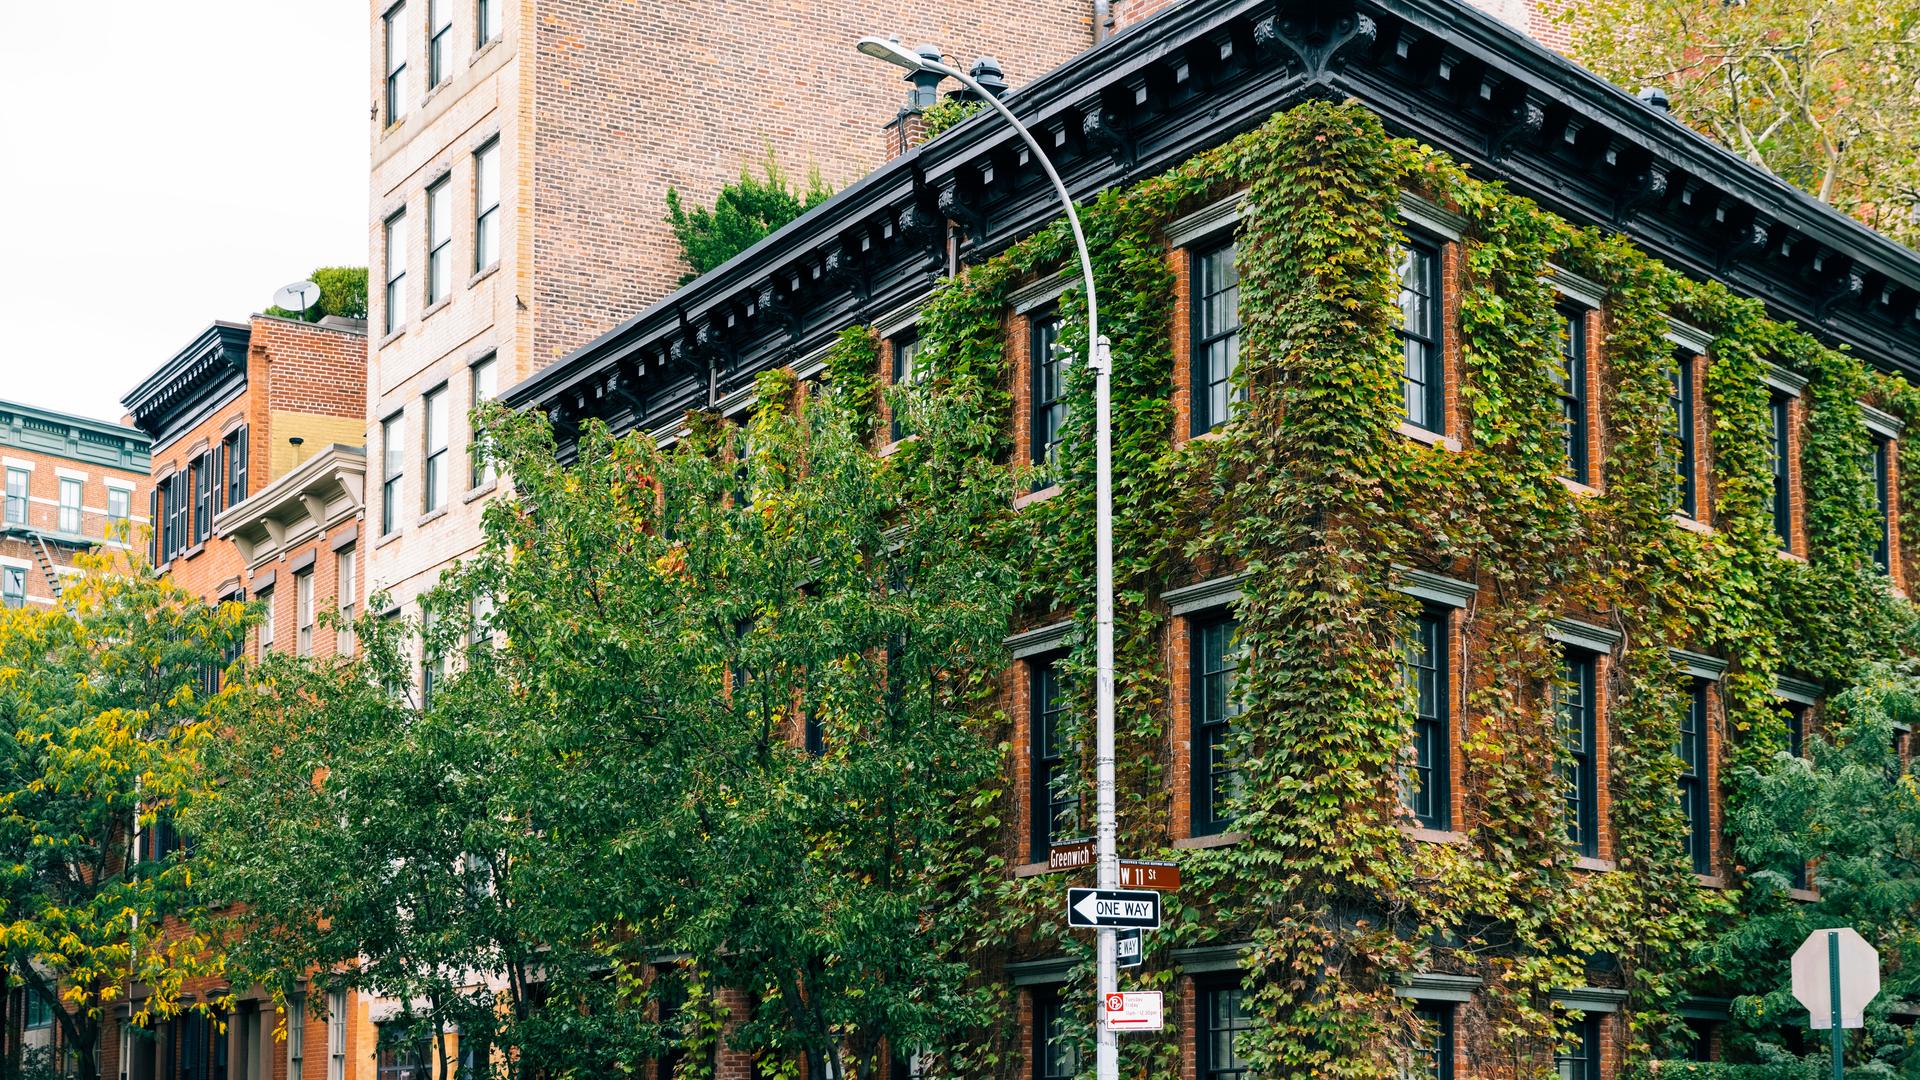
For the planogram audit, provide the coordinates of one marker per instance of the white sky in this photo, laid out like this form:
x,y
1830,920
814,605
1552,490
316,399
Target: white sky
x,y
164,163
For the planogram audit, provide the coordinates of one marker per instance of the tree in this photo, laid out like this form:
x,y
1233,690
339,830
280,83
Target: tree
x,y
1820,93
745,212
623,773
343,292
1851,810
104,708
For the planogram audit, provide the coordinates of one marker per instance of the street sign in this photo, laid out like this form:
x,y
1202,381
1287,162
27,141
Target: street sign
x,y
1113,907
1813,981
1071,855
1164,876
1136,1010
1129,948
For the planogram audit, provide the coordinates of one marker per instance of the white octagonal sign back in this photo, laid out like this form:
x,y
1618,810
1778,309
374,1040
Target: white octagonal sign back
x,y
1813,980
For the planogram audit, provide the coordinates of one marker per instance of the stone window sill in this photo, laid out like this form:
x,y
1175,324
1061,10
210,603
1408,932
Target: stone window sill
x,y
1040,496
1588,862
393,335
1691,524
1431,438
481,492
1214,840
1433,836
484,273
430,516
387,538
1711,881
1809,895
1208,436
1789,556
1579,488
893,448
1034,869
436,307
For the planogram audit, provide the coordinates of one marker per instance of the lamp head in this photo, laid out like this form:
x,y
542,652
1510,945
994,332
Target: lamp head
x,y
892,52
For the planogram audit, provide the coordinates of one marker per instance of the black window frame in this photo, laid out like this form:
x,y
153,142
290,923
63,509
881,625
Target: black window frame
x,y
203,497
1208,1025
1431,802
434,493
1696,803
484,12
483,385
1052,757
1049,1024
1047,405
394,239
1880,463
902,350
396,1038
1435,1050
233,454
1210,342
1681,399
36,1010
1780,465
439,43
1211,767
1578,766
1424,255
1571,378
439,239
1586,1058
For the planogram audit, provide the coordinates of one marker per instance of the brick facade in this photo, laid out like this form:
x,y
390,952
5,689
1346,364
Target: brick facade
x,y
64,477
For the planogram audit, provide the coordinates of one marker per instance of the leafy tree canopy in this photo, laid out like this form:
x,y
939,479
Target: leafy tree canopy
x,y
1820,93
745,211
343,292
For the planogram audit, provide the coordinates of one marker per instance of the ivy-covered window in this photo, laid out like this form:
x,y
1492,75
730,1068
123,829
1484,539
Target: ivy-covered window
x,y
1779,463
1049,411
1055,1055
1221,1048
1215,284
1432,1054
1881,466
1793,717
1579,1059
1571,378
1421,327
1425,780
1055,772
1216,778
905,347
1695,805
1680,396
1573,701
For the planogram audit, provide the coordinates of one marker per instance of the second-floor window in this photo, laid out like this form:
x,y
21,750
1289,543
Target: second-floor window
x,y
13,586
1881,465
1693,779
337,1035
1216,335
347,595
203,497
439,241
1432,1055
1049,392
1580,1058
1680,398
69,505
483,390
1578,767
486,206
1055,1054
439,42
433,474
1779,462
266,622
1056,775
119,506
17,496
1423,375
233,459
1223,1018
393,437
1216,778
486,20
1571,378
1425,787
303,613
395,27
396,295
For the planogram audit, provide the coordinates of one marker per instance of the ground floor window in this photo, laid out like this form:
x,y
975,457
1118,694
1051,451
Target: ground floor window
x,y
1579,1059
1223,1020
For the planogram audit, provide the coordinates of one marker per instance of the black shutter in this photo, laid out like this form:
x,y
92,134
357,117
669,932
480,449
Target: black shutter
x,y
219,455
153,525
240,465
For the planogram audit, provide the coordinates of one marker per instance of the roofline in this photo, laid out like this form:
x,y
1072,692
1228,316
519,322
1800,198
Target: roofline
x,y
334,457
85,423
179,361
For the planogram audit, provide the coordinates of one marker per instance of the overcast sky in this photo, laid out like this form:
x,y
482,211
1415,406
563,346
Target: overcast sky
x,y
162,165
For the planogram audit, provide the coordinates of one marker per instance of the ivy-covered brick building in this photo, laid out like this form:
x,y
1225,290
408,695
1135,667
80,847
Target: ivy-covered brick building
x,y
1504,475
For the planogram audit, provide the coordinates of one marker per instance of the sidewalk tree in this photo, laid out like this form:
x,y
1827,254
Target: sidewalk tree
x,y
104,708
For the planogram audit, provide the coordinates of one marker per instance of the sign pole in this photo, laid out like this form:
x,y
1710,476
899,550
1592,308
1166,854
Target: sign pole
x,y
1837,1033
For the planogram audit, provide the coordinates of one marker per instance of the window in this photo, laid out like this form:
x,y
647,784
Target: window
x,y
486,206
195,1049
1055,1055
1223,1016
486,20
17,496
905,349
439,42
396,271
119,508
483,390
303,612
1049,398
1425,782
1681,397
439,240
1432,1057
178,496
432,663
1700,1040
296,1036
1056,779
403,1052
474,1058
1694,805
69,505
1216,335
203,497
347,593
13,586
233,458
159,841
1578,766
433,482
1882,496
1793,716
813,735
393,436
1571,377
396,41
39,1010
266,621
337,1035
1779,465
1579,1059
1216,781
480,634
1423,378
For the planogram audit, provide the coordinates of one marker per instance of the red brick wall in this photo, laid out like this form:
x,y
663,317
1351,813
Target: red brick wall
x,y
312,368
43,511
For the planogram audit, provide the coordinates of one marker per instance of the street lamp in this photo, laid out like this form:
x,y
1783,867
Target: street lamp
x,y
1099,360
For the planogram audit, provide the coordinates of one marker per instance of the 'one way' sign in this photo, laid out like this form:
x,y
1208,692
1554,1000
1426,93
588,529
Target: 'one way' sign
x,y
1113,907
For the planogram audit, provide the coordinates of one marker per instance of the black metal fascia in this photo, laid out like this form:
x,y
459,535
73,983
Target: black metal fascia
x,y
1195,76
188,387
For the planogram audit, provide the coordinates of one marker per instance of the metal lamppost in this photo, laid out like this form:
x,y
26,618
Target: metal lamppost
x,y
1099,360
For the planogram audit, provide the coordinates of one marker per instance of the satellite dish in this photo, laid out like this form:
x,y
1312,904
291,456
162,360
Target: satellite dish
x,y
299,296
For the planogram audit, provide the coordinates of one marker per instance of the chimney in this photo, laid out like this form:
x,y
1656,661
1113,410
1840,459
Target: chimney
x,y
907,130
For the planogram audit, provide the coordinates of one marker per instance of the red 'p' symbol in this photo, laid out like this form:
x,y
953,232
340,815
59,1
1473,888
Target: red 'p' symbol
x,y
1115,1003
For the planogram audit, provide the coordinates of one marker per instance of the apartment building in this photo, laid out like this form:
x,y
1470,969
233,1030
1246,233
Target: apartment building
x,y
1186,80
257,492
72,484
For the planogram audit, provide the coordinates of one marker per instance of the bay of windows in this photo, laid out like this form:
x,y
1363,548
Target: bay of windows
x,y
1216,335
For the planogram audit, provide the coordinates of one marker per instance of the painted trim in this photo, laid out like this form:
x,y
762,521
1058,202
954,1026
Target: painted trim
x,y
1798,691
1434,986
1040,293
1039,641
901,318
1699,665
1438,220
1785,380
1884,424
1691,338
1583,291
117,485
1205,222
65,473
1048,972
1205,595
1593,999
1584,635
1435,588
1705,1008
1209,959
